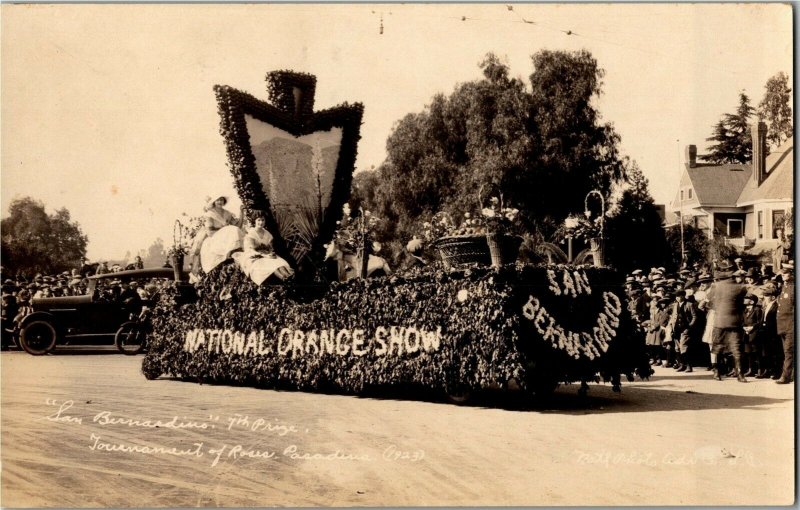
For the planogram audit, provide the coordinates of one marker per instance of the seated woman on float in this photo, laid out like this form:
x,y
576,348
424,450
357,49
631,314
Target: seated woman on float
x,y
258,260
218,238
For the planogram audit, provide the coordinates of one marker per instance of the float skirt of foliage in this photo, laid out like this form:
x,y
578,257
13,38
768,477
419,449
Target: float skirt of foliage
x,y
525,326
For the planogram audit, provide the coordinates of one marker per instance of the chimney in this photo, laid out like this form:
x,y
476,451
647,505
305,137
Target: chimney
x,y
691,155
758,131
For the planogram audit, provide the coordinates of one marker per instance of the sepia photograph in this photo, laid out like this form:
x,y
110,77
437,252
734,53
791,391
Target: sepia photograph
x,y
397,255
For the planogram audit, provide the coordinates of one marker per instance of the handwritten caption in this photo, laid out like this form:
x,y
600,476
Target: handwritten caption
x,y
66,412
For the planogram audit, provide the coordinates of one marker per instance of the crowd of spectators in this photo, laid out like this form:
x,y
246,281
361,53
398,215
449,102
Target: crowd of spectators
x,y
737,320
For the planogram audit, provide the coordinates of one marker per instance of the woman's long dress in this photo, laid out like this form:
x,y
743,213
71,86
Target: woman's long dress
x,y
256,261
709,329
220,240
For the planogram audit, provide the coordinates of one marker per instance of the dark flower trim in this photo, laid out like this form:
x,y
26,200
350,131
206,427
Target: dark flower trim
x,y
298,120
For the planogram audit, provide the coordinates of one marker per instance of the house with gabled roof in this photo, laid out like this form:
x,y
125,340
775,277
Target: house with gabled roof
x,y
745,204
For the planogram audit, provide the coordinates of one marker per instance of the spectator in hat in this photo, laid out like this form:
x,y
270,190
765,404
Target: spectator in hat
x,y
640,304
770,342
655,328
785,322
102,268
738,276
75,286
727,300
739,264
752,282
43,292
8,312
751,351
684,323
780,254
24,306
130,299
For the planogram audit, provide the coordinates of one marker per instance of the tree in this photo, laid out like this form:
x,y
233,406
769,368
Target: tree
x,y
635,237
363,189
493,136
732,139
34,241
155,255
775,109
695,241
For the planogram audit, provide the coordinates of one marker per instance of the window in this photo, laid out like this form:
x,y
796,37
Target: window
x,y
690,193
777,223
681,194
735,228
761,224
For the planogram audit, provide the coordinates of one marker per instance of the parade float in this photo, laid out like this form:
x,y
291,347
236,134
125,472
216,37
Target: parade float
x,y
478,321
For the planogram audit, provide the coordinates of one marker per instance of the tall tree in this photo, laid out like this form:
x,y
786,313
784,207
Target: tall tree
x,y
635,234
34,241
775,109
732,139
576,152
492,136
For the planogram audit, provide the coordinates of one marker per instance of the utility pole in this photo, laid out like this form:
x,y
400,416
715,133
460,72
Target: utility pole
x,y
680,195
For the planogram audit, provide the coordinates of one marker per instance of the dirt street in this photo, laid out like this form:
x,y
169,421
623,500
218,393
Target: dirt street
x,y
84,430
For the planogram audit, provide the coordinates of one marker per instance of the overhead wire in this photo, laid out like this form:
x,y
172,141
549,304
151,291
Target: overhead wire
x,y
536,22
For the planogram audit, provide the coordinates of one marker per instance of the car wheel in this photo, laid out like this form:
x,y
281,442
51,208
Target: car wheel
x,y
129,338
38,337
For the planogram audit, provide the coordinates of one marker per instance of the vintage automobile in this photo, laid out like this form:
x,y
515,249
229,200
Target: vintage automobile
x,y
89,319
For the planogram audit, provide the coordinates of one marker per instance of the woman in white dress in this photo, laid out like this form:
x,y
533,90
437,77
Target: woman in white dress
x,y
702,297
258,260
218,238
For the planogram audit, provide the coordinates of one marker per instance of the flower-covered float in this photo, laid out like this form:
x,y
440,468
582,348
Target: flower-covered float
x,y
454,328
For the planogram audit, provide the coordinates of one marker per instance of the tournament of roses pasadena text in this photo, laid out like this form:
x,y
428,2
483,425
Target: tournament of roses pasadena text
x,y
386,341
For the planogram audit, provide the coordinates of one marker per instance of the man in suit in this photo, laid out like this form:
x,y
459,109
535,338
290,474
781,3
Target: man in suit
x,y
771,346
785,322
727,300
753,317
685,322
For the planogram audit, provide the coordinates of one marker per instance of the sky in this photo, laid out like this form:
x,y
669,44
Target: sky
x,y
108,110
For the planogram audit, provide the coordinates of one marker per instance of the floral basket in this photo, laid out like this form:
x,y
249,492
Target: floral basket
x,y
503,248
463,249
480,249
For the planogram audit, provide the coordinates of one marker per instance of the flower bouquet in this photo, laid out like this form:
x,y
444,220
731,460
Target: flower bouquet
x,y
581,227
483,239
180,248
355,235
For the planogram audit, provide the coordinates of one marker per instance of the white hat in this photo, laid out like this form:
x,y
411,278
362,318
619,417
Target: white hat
x,y
210,201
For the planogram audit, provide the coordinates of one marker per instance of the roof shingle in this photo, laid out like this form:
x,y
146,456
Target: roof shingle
x,y
779,183
719,185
